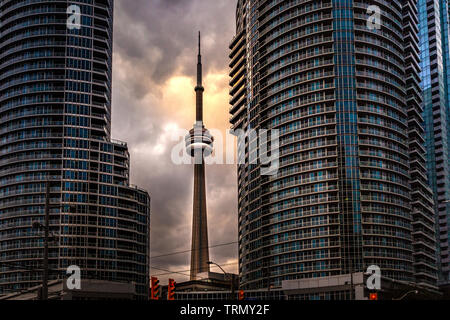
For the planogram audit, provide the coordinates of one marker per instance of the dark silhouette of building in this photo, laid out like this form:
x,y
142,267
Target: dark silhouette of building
x,y
351,190
55,127
90,290
330,288
206,282
199,144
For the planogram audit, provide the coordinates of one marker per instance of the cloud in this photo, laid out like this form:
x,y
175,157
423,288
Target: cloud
x,y
155,49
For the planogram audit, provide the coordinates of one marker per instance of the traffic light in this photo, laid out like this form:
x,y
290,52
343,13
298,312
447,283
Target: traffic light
x,y
241,295
154,289
373,296
171,290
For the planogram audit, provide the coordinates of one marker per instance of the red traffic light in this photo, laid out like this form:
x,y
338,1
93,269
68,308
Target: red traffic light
x,y
154,289
373,296
171,290
241,295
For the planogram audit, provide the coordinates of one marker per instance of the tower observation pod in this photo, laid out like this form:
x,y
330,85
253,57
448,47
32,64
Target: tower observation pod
x,y
199,142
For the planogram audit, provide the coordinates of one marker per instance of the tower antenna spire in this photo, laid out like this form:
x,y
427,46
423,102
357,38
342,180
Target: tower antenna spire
x,y
199,44
199,145
199,65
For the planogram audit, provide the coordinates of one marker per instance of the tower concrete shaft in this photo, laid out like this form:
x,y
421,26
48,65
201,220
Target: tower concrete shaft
x,y
199,145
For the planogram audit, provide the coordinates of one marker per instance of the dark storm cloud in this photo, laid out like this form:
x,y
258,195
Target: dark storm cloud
x,y
154,41
162,33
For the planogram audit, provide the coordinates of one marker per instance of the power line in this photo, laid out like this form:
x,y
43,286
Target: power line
x,y
170,272
181,272
31,269
186,251
22,268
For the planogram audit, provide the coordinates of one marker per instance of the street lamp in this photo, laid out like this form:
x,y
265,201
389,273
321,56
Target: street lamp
x,y
406,294
226,274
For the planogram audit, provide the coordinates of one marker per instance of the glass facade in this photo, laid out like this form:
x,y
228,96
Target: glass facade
x,y
435,63
55,126
351,190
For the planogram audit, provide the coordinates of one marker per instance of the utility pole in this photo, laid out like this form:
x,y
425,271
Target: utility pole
x,y
232,286
352,284
46,235
46,228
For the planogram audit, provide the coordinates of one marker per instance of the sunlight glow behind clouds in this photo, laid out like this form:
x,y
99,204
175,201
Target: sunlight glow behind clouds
x,y
155,56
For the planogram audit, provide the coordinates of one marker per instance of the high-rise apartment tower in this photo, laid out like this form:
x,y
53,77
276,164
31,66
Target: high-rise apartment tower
x,y
435,76
55,127
344,92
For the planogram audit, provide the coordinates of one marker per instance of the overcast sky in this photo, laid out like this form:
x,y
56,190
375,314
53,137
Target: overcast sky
x,y
155,44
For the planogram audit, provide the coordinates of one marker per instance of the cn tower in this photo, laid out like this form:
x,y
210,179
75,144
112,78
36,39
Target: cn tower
x,y
199,144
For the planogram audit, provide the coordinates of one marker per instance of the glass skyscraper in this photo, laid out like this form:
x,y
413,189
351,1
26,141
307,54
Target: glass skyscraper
x,y
351,190
435,76
55,127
